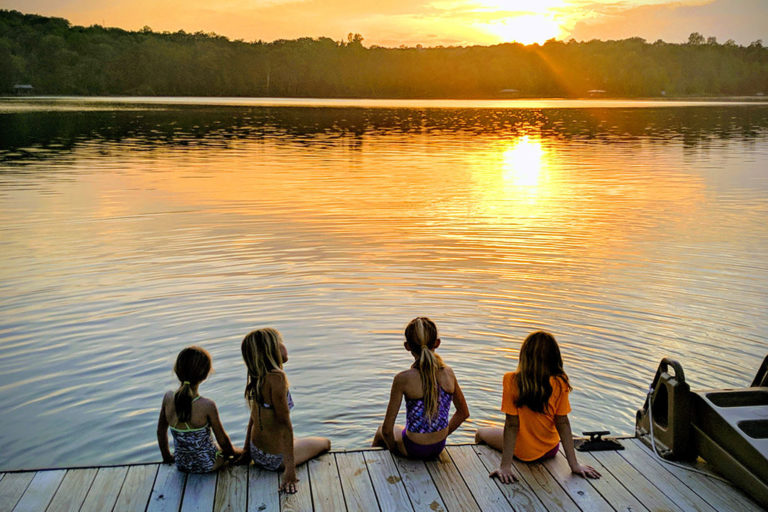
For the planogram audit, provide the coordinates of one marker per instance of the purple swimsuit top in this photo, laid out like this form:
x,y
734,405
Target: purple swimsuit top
x,y
416,420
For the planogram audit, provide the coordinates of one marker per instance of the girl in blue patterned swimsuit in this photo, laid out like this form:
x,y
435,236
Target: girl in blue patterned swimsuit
x,y
429,387
191,418
269,440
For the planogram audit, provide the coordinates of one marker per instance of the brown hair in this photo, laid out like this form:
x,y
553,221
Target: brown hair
x,y
421,337
540,359
193,364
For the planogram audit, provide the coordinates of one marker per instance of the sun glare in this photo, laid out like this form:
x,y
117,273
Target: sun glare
x,y
523,163
525,29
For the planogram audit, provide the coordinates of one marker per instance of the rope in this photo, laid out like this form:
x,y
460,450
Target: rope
x,y
656,452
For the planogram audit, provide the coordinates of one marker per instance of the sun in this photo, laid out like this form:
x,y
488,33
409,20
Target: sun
x,y
525,29
522,21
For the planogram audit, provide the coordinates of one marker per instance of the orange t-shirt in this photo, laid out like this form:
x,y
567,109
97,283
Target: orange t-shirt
x,y
537,434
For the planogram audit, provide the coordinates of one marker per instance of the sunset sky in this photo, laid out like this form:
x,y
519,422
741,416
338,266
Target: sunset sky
x,y
426,22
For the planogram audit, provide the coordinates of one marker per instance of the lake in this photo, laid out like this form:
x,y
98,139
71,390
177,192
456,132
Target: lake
x,y
131,228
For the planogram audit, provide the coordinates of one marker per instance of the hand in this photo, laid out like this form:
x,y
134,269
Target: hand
x,y
505,474
288,482
586,471
241,457
170,459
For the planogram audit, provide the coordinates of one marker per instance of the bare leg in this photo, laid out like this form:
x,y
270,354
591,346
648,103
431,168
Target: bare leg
x,y
492,436
378,440
305,448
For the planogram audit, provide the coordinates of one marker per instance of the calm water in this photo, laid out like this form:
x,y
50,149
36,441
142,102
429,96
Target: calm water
x,y
129,230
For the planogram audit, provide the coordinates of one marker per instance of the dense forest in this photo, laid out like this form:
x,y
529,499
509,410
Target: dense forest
x,y
57,58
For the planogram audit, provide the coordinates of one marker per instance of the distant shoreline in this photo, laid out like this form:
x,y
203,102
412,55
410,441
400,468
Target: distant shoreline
x,y
11,104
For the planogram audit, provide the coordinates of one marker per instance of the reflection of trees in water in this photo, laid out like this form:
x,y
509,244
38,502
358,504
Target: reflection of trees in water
x,y
55,132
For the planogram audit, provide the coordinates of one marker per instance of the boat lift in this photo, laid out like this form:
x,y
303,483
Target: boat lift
x,y
726,427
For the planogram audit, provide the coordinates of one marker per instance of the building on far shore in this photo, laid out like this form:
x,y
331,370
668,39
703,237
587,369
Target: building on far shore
x,y
509,92
23,89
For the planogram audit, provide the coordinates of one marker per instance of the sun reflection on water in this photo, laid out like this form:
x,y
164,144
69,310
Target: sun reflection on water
x,y
524,163
514,180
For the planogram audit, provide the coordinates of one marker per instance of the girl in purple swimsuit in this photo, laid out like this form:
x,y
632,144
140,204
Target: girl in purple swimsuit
x,y
269,440
429,386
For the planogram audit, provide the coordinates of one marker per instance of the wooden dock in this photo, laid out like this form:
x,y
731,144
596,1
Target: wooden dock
x,y
633,480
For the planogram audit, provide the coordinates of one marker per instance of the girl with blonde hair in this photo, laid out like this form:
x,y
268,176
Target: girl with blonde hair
x,y
191,418
429,387
535,400
269,440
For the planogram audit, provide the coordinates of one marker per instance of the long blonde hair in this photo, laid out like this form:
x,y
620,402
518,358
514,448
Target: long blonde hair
x,y
421,337
539,360
193,364
261,353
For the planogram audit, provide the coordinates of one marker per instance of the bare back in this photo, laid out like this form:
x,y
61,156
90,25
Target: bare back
x,y
272,414
412,387
199,417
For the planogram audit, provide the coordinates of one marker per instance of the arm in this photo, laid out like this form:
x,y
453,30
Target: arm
x,y
162,435
395,400
279,398
511,428
462,409
218,430
245,455
563,426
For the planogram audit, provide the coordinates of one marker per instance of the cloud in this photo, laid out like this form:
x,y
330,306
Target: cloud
x,y
741,20
430,22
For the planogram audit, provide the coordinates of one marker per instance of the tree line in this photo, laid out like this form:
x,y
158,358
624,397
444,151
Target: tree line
x,y
56,57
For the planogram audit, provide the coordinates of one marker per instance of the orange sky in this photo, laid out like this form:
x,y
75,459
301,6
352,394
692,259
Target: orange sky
x,y
427,22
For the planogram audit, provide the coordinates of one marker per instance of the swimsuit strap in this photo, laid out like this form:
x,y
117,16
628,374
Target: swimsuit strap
x,y
289,398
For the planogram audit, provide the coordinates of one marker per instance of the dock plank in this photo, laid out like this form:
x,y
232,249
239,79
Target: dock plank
x,y
73,490
578,488
168,489
301,501
387,482
356,482
262,490
610,487
548,490
231,489
137,487
720,495
104,490
12,487
650,496
453,490
634,480
199,492
663,480
326,484
519,494
419,485
41,489
485,491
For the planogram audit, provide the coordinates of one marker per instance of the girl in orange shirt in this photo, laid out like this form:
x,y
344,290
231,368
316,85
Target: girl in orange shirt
x,y
535,400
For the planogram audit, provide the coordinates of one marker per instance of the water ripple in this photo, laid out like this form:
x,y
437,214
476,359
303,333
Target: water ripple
x,y
125,235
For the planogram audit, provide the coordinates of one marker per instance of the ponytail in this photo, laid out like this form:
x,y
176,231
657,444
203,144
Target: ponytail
x,y
421,336
182,401
193,364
